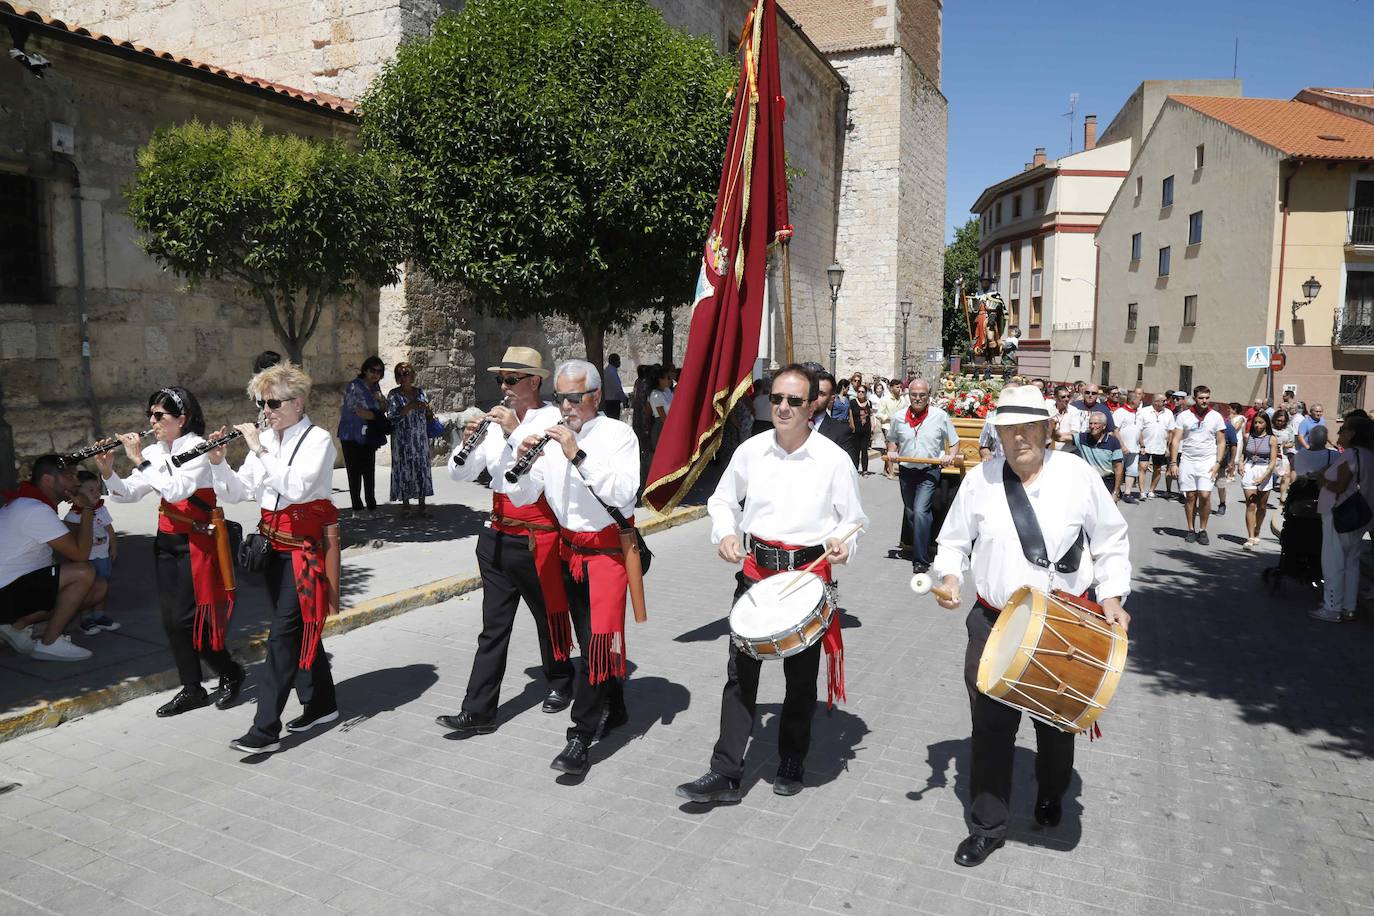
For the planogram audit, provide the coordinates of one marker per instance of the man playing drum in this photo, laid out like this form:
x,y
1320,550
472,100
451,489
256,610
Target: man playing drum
x,y
801,499
1061,495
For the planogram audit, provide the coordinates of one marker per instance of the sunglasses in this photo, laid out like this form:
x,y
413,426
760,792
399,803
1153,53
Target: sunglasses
x,y
572,397
157,416
793,400
274,403
509,380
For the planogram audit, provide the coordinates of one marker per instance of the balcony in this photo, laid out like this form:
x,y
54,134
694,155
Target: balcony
x,y
1362,226
1353,329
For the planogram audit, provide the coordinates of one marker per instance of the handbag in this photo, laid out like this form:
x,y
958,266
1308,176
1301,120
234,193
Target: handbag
x,y
1353,513
254,548
436,428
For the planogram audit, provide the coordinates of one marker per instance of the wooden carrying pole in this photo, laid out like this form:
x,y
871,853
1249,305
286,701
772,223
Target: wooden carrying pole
x,y
787,300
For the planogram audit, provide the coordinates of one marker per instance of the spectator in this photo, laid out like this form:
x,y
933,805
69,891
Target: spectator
x,y
861,423
1285,434
1261,457
822,419
1102,451
1351,476
1315,417
921,431
660,400
265,360
104,549
362,430
1156,424
641,415
613,395
1124,414
1068,420
1178,402
1256,406
1230,459
1090,400
989,443
409,411
839,404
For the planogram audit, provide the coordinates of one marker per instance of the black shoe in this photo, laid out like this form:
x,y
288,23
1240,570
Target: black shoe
x,y
187,699
1190,537
1220,510
308,720
573,760
975,850
919,567
1202,538
466,723
229,686
1048,811
789,778
556,701
710,788
613,719
253,744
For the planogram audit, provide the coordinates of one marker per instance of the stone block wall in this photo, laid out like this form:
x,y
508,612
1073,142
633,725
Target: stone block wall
x,y
921,215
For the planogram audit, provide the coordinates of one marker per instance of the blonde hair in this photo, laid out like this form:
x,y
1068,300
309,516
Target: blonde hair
x,y
284,380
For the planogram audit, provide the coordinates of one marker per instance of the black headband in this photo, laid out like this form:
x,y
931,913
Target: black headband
x,y
176,399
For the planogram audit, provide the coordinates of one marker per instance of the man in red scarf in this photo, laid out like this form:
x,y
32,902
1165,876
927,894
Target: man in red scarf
x,y
1195,458
921,431
32,587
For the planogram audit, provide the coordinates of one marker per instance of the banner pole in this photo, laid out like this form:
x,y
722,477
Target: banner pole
x,y
787,299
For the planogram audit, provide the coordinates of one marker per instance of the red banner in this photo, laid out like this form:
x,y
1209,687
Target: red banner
x,y
727,310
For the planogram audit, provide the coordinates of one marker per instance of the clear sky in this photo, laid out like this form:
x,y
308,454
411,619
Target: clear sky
x,y
1009,67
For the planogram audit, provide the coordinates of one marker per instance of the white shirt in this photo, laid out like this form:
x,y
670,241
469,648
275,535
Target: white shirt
x,y
1072,420
661,397
611,469
161,477
1199,443
494,442
268,478
1155,426
101,523
1127,429
801,498
1066,495
26,528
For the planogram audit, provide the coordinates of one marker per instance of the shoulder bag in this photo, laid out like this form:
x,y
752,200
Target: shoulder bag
x,y
253,550
1353,513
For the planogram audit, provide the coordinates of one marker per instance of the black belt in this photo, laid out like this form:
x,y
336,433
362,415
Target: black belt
x,y
780,559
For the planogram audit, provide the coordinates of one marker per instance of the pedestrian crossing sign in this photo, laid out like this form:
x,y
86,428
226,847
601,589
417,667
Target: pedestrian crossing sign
x,y
1257,357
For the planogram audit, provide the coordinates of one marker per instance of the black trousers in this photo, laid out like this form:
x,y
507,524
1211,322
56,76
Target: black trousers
x,y
740,695
994,742
508,574
859,446
176,595
281,668
360,461
590,701
611,409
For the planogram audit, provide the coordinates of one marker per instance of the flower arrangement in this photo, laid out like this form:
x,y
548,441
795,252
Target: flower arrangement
x,y
966,396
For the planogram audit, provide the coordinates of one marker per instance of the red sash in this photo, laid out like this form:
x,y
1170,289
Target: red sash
x,y
300,529
831,640
508,518
214,605
607,584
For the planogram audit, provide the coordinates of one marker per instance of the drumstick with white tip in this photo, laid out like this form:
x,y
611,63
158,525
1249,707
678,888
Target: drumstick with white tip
x,y
801,574
923,584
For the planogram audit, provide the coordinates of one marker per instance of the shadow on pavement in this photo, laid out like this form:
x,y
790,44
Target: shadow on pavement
x,y
445,522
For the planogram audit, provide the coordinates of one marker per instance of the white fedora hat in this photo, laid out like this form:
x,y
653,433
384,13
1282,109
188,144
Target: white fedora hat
x,y
526,360
1022,404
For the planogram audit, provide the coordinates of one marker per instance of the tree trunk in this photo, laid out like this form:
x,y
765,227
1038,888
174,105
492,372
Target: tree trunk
x,y
594,342
294,350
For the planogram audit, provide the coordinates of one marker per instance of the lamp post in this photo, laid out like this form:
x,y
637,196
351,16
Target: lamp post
x,y
905,306
1311,288
835,274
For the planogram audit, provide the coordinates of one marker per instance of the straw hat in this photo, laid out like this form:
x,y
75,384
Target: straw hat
x,y
1022,404
522,359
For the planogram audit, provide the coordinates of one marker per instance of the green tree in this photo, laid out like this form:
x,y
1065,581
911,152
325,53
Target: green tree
x,y
562,156
287,220
961,261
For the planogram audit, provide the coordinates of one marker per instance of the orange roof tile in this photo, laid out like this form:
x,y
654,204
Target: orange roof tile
x,y
1296,128
1362,97
105,42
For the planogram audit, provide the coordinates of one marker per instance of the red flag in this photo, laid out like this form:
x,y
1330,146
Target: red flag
x,y
751,214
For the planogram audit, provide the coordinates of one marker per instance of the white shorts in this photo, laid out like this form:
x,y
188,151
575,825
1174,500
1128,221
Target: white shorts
x,y
1195,476
1129,463
1255,478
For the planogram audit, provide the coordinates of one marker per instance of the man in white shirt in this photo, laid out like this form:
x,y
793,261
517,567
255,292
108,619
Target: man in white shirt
x,y
801,499
1195,455
1068,501
517,552
1124,415
615,391
921,431
588,469
32,587
1156,425
1068,420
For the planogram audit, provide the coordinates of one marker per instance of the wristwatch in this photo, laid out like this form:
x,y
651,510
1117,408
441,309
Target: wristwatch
x,y
143,465
577,459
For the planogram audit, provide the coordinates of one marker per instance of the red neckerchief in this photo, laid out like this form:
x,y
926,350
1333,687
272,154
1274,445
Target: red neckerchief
x,y
1205,412
29,490
1124,406
915,420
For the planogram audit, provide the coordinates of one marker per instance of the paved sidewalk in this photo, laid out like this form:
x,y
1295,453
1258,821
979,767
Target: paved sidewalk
x,y
1233,777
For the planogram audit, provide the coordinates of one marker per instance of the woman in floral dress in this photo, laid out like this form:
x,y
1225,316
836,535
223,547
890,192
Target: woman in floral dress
x,y
408,408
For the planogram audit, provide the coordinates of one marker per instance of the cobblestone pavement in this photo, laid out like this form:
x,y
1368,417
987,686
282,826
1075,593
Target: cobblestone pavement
x,y
1234,774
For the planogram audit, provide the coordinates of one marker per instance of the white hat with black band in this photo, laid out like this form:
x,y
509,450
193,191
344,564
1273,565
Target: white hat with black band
x,y
1022,404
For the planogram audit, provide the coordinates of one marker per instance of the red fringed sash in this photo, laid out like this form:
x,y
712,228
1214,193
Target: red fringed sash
x,y
214,604
300,529
508,518
831,640
607,584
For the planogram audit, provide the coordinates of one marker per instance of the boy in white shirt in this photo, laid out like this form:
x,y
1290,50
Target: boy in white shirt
x,y
104,549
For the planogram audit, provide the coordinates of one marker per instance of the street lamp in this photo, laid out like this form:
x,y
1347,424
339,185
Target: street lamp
x,y
905,306
835,274
1310,288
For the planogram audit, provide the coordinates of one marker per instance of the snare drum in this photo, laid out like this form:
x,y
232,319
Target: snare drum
x,y
764,623
1053,657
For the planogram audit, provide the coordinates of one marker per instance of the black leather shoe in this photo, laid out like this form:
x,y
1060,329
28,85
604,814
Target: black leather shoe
x,y
187,699
255,744
556,701
975,850
573,760
712,787
229,686
615,717
919,567
466,723
789,778
1048,811
308,720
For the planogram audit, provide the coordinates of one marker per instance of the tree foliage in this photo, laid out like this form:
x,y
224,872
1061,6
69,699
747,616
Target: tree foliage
x,y
961,260
562,156
288,220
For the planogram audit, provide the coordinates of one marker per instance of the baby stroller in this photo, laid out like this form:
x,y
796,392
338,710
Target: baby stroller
x,y
1300,539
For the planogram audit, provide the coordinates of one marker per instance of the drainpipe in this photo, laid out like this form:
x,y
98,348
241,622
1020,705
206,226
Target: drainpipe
x,y
1283,249
87,379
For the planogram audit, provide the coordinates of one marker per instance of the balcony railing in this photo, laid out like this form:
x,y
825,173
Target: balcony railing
x,y
1353,329
1362,226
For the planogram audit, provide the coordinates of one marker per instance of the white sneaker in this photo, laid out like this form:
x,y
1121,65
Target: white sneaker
x,y
62,650
19,640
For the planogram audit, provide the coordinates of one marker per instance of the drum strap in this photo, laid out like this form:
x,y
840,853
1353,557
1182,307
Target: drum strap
x,y
1028,528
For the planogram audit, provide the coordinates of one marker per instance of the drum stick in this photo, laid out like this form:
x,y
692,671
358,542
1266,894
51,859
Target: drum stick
x,y
801,574
958,461
923,584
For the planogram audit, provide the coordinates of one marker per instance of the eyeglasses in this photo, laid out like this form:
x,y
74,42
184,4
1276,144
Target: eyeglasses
x,y
274,403
572,397
509,380
157,416
920,394
793,400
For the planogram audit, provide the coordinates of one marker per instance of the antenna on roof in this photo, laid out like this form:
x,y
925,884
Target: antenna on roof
x,y
1235,58
1073,109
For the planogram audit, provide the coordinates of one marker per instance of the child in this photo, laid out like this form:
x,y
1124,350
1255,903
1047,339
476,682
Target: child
x,y
104,549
